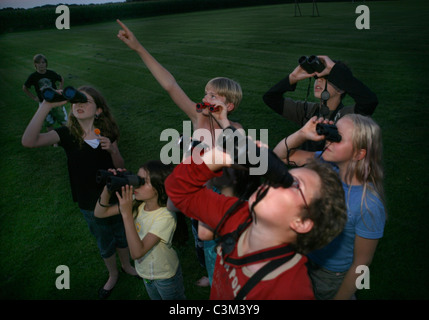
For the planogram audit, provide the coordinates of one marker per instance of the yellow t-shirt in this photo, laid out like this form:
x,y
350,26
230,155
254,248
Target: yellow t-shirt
x,y
161,262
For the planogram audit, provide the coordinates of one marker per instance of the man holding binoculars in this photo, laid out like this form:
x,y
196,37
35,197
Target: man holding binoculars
x,y
333,80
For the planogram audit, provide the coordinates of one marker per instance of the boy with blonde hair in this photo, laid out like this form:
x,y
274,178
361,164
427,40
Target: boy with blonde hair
x,y
222,93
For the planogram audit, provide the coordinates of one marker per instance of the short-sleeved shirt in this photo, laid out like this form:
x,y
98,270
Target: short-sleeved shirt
x,y
161,262
83,162
42,80
186,187
365,219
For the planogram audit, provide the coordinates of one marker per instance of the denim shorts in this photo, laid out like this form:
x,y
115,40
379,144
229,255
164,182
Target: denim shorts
x,y
166,289
109,232
325,282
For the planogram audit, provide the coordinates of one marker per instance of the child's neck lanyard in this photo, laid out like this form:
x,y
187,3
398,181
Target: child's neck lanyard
x,y
277,256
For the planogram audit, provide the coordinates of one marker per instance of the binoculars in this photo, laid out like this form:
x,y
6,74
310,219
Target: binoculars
x,y
277,172
121,179
69,93
187,144
311,64
202,105
330,131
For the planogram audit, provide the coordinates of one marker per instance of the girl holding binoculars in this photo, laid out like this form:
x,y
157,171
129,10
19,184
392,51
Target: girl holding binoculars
x,y
149,227
87,153
358,159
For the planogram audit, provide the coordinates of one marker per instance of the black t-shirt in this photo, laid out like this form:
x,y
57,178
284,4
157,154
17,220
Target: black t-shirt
x,y
83,163
39,81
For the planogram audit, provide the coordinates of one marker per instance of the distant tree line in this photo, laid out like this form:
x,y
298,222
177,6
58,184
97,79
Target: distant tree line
x,y
44,17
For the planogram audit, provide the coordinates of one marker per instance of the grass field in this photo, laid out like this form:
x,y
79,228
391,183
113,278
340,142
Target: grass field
x,y
42,228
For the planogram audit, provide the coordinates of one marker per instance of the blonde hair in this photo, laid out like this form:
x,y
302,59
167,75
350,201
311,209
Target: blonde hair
x,y
227,88
369,170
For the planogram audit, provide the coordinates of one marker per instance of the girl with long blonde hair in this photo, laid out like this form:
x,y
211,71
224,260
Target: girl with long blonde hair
x,y
358,159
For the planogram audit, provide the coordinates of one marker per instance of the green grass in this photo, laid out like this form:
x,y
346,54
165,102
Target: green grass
x,y
41,228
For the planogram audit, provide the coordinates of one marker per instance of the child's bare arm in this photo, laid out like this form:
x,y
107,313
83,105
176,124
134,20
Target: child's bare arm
x,y
162,75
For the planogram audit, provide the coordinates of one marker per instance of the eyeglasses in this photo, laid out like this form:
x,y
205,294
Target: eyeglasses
x,y
295,184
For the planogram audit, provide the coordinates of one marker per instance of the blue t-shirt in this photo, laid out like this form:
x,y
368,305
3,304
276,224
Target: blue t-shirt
x,y
365,219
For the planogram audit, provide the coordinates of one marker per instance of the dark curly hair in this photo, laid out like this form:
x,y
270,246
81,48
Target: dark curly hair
x,y
327,210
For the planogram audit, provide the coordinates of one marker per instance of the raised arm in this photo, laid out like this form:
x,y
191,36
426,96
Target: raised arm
x,y
138,247
294,141
340,75
162,75
32,137
274,99
186,187
103,208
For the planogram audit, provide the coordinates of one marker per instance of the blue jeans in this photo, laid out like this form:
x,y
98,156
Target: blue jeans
x,y
166,289
109,232
210,255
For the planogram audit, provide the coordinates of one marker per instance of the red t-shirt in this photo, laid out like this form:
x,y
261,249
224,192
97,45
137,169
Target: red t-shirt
x,y
186,188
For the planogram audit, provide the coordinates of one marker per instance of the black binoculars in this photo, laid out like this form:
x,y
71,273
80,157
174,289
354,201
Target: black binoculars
x,y
69,93
330,131
311,64
121,179
277,172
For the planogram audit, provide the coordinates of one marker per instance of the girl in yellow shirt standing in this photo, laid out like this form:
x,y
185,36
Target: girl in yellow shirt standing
x,y
149,228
